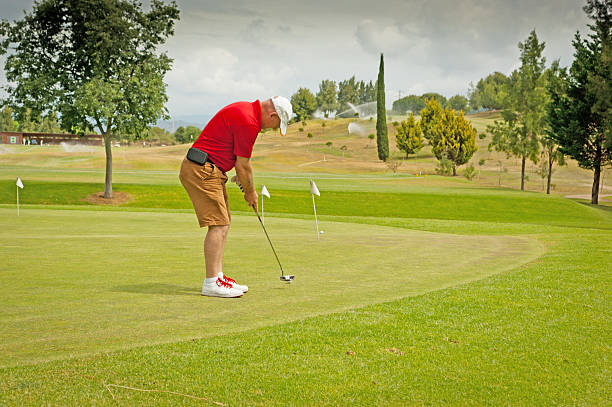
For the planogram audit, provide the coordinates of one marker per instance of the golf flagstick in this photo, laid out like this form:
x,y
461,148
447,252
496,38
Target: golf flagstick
x,y
19,185
264,191
315,191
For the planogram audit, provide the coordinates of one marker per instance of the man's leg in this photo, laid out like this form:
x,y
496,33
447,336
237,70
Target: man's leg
x,y
214,246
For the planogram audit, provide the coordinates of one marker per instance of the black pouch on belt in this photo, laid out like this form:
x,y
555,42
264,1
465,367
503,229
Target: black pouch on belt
x,y
197,156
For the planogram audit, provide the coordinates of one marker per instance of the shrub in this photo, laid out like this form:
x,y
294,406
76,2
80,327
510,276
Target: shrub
x,y
470,172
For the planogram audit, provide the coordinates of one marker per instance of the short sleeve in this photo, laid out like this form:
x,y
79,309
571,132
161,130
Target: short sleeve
x,y
244,139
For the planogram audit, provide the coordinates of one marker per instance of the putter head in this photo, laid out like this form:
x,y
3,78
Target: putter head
x,y
287,279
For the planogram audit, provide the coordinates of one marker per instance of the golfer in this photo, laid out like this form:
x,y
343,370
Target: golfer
x,y
227,142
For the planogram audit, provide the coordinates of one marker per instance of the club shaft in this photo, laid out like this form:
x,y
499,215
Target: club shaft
x,y
269,241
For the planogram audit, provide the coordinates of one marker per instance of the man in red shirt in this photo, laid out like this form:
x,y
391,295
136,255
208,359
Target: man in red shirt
x,y
225,143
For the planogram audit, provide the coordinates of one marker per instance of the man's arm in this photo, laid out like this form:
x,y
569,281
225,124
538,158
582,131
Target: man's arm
x,y
244,171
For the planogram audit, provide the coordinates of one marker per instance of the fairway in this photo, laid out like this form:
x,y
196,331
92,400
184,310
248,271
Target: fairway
x,y
81,282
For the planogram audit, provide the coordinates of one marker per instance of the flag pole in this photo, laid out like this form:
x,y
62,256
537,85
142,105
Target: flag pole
x,y
315,213
17,200
262,212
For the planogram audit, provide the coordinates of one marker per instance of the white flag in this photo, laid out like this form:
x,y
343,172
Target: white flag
x,y
264,191
19,183
313,189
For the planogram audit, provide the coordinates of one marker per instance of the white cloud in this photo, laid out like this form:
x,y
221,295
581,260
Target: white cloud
x,y
389,39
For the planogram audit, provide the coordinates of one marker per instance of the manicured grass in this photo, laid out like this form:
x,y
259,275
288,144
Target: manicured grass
x,y
121,279
536,336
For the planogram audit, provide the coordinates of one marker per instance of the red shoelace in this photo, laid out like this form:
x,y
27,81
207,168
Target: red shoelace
x,y
229,280
222,283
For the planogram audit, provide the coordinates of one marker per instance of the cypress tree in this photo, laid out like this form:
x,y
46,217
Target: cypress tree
x,y
381,114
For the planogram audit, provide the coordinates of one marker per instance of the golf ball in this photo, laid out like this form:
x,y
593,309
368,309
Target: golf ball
x,y
321,232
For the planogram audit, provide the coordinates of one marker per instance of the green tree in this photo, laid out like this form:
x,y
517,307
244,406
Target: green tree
x,y
458,103
600,79
187,134
304,104
489,92
556,83
576,116
92,61
410,103
6,120
382,140
50,124
347,93
524,118
327,100
451,136
435,96
409,137
431,119
28,121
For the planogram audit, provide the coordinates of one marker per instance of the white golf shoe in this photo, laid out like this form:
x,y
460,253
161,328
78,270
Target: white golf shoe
x,y
220,289
233,282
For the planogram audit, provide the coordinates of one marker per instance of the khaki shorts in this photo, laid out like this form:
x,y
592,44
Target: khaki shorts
x,y
205,185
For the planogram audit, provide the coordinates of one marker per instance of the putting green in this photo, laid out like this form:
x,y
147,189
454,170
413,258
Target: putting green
x,y
79,282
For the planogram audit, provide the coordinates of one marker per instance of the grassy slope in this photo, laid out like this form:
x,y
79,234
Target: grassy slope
x,y
414,202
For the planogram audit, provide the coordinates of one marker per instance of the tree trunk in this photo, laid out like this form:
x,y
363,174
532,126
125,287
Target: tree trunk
x,y
550,165
523,173
454,171
595,191
108,183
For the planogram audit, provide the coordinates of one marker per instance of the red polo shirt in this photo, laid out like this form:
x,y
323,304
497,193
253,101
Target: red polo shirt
x,y
230,133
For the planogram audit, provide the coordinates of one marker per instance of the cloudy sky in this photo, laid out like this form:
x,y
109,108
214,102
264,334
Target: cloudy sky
x,y
232,50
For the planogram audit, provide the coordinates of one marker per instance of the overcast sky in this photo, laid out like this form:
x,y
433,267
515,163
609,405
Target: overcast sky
x,y
232,50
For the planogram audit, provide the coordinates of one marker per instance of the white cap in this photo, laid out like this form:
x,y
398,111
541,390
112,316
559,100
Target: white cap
x,y
284,110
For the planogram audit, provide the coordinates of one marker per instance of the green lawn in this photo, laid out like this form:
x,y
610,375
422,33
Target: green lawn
x,y
427,296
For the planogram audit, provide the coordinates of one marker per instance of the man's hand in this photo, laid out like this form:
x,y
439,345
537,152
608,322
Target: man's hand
x,y
252,199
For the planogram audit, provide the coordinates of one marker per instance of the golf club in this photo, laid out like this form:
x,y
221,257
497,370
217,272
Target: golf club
x,y
283,277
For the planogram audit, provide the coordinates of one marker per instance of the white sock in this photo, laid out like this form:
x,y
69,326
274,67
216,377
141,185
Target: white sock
x,y
210,280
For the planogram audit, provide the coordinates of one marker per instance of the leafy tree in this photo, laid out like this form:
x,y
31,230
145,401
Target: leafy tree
x,y
187,134
326,98
409,137
431,117
304,104
28,121
600,80
382,140
6,120
489,92
50,124
458,103
524,118
92,61
366,92
451,136
412,103
347,93
435,96
576,113
556,83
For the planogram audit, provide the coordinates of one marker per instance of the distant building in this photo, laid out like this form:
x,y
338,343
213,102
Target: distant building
x,y
14,137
